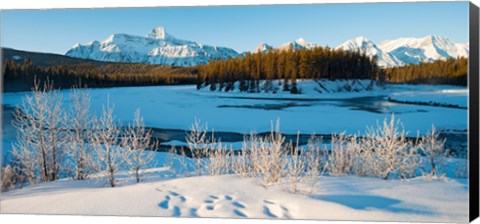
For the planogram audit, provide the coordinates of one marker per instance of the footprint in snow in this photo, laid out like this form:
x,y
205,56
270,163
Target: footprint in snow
x,y
172,202
272,210
224,202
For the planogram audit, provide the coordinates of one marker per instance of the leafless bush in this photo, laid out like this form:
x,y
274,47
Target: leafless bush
x,y
41,135
105,139
9,177
81,124
199,143
341,156
173,159
363,157
434,150
296,166
392,152
136,140
305,167
220,160
242,163
267,156
314,167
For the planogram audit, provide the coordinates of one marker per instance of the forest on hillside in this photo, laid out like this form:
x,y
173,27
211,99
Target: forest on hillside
x,y
320,63
451,71
21,76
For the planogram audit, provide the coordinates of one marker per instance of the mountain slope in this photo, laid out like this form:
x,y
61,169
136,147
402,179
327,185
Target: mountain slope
x,y
299,43
263,47
425,49
42,59
403,51
364,45
158,47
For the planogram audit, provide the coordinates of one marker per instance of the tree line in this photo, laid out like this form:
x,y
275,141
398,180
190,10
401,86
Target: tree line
x,y
451,71
316,63
248,70
20,76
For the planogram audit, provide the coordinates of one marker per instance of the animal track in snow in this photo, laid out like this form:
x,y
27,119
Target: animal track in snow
x,y
273,210
223,205
172,202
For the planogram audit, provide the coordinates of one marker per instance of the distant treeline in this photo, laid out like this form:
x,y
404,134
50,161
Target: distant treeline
x,y
20,76
451,71
316,63
248,70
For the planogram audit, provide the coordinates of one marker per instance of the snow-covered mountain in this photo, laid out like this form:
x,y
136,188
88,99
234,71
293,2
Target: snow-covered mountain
x,y
158,47
299,43
404,51
263,47
364,45
425,49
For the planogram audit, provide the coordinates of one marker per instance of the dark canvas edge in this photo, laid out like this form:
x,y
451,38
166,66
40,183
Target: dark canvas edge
x,y
473,83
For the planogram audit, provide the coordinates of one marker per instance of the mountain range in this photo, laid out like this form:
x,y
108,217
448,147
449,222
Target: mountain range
x,y
404,51
159,47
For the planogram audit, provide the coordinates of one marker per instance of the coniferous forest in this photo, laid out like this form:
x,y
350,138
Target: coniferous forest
x,y
248,70
21,76
451,71
316,63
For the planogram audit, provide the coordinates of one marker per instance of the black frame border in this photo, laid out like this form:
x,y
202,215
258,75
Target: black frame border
x,y
473,137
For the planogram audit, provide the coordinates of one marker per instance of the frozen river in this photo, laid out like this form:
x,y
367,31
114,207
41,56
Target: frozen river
x,y
174,108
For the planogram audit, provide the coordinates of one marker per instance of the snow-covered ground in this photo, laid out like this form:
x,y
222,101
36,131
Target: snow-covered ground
x,y
230,196
451,97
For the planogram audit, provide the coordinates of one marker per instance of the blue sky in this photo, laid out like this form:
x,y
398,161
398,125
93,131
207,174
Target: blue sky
x,y
239,27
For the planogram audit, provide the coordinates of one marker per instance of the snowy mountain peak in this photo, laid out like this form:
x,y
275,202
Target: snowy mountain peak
x,y
362,39
403,51
360,43
263,47
299,43
158,33
425,49
158,47
366,46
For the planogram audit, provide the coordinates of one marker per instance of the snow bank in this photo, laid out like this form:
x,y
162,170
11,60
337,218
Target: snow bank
x,y
335,198
446,97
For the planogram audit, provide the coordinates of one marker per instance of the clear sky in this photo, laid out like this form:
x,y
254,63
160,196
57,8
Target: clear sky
x,y
239,27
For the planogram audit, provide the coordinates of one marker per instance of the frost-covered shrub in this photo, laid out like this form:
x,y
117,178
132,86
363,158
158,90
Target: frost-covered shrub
x,y
304,168
266,156
41,143
9,177
109,158
342,154
136,140
220,160
242,163
434,151
392,153
383,152
199,143
81,123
